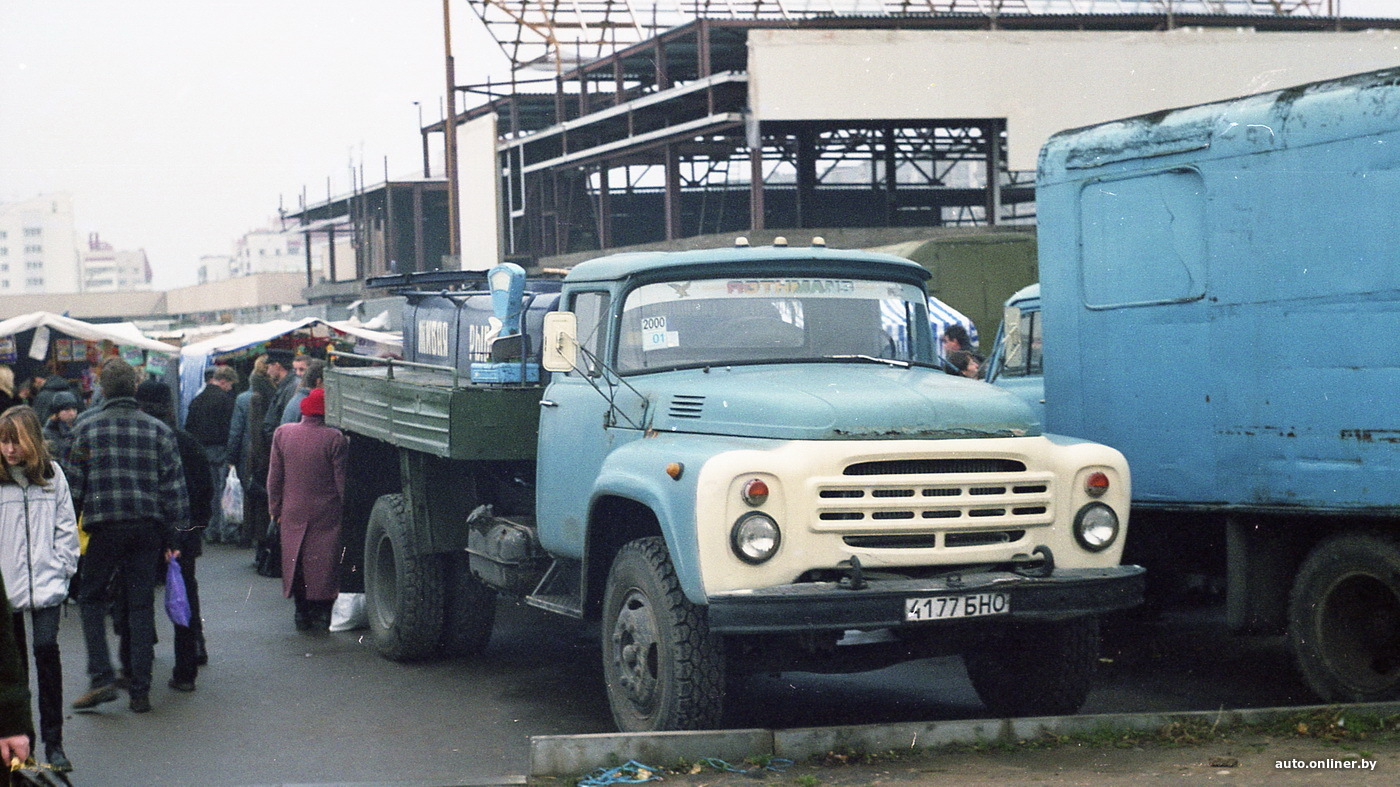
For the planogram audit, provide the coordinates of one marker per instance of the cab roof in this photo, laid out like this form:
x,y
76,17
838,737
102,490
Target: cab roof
x,y
781,260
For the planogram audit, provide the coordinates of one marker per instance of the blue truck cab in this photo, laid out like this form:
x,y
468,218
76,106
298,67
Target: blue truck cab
x,y
1221,302
1017,363
749,460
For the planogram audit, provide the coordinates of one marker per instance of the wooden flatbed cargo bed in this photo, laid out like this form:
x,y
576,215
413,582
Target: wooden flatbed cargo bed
x,y
434,410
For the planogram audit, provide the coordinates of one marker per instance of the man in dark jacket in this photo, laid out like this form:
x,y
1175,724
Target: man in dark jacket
x,y
43,401
153,398
283,371
129,483
210,414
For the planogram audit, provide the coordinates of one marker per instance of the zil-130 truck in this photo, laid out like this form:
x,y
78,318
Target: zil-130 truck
x,y
1219,298
736,461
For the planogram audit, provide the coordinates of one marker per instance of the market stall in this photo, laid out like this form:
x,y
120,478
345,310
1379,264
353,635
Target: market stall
x,y
43,344
240,346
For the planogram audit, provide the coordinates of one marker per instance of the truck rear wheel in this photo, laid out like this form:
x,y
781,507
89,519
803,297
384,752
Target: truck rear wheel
x,y
469,610
1344,618
664,669
1035,669
403,590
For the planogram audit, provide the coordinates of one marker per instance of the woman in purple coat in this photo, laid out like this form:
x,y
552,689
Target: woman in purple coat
x,y
305,491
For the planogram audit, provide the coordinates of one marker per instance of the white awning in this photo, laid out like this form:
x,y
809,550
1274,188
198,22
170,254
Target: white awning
x,y
124,333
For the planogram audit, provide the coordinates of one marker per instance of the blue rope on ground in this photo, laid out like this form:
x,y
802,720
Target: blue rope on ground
x,y
630,772
777,765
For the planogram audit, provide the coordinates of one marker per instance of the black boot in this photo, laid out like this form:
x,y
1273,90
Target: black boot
x,y
53,754
302,616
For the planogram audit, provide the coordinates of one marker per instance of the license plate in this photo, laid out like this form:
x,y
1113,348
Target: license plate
x,y
949,607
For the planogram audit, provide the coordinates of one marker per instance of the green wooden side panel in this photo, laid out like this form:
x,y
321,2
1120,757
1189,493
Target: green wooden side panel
x,y
423,411
976,273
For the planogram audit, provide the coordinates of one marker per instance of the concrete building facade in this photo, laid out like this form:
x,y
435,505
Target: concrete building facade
x,y
110,270
38,246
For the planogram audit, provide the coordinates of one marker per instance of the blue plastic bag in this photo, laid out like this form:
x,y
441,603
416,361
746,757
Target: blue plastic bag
x,y
177,604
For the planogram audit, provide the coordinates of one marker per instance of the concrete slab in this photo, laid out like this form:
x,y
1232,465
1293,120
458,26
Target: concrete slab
x,y
566,755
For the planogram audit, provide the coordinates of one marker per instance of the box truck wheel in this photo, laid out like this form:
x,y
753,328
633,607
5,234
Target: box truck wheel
x,y
469,609
403,590
1035,669
664,669
1344,618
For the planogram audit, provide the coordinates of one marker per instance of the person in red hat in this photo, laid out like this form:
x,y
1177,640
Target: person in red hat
x,y
305,494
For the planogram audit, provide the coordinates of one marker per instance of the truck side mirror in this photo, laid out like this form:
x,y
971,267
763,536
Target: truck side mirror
x,y
560,342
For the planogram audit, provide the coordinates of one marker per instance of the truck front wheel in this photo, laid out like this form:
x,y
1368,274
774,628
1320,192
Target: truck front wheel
x,y
403,590
1035,669
663,666
1344,618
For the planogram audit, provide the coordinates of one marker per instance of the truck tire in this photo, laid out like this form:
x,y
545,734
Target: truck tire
x,y
1344,618
1039,669
403,591
663,666
469,609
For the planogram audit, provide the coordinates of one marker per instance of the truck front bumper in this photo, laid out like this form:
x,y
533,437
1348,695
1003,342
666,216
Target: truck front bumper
x,y
826,606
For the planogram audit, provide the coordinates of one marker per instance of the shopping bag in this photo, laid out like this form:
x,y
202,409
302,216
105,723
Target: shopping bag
x,y
232,502
177,604
348,612
36,774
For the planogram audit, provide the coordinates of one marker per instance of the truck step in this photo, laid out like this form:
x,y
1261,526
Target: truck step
x,y
559,590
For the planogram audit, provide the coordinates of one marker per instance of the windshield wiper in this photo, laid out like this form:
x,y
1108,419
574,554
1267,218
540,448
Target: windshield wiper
x,y
870,358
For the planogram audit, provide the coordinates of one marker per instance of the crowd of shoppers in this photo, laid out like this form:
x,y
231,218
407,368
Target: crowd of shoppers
x,y
128,488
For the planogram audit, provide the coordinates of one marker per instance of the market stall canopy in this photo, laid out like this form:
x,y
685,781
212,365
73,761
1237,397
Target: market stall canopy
x,y
248,335
117,333
194,357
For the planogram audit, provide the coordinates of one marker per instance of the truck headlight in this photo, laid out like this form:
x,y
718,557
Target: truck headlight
x,y
1096,527
755,537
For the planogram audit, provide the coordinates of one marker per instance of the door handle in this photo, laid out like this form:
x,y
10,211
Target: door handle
x,y
548,403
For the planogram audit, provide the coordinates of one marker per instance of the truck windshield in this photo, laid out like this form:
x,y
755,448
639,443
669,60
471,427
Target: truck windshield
x,y
1020,344
710,322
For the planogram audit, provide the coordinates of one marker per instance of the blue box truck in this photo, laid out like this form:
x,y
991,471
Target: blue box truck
x,y
1220,300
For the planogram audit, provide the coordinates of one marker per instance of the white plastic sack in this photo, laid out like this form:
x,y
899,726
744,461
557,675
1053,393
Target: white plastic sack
x,y
348,612
232,502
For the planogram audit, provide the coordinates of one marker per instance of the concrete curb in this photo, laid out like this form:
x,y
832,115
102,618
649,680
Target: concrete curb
x,y
571,755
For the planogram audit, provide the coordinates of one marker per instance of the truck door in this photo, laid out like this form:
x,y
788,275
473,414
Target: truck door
x,y
573,437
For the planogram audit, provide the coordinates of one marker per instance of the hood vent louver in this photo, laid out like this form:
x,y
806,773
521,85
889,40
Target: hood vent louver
x,y
687,406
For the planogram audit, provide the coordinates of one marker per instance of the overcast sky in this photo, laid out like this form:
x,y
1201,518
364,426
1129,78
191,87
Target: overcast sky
x,y
178,124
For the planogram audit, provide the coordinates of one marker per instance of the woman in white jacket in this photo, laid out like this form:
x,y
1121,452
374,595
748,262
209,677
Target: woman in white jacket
x,y
38,555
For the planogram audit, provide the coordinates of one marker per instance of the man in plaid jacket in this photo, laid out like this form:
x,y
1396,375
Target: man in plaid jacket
x,y
128,483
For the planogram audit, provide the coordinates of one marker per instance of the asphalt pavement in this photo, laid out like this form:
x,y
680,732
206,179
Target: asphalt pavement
x,y
275,706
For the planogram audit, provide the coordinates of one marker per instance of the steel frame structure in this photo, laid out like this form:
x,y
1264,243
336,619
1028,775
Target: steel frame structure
x,y
642,132
653,141
556,35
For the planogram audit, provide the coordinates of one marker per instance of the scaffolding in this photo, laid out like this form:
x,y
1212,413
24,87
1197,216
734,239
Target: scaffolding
x,y
555,35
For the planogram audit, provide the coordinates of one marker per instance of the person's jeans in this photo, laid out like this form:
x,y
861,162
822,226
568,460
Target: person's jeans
x,y
48,669
219,529
130,551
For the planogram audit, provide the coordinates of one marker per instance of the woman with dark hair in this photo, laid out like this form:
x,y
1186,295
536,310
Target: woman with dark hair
x,y
38,555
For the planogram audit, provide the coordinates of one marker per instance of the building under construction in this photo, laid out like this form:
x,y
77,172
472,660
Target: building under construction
x,y
632,122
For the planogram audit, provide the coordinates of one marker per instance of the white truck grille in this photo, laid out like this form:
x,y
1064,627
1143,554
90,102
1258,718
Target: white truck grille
x,y
934,503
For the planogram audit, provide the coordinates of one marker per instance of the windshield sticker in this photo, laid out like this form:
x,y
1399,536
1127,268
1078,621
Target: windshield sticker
x,y
698,289
656,337
791,287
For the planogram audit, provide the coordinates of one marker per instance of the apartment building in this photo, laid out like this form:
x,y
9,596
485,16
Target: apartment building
x,y
39,250
108,270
